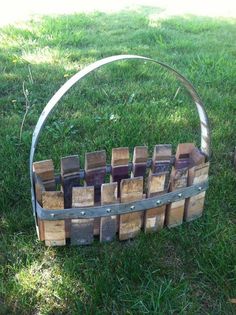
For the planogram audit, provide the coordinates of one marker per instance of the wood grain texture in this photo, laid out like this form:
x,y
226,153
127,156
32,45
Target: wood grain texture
x,y
130,224
119,165
179,179
139,161
70,168
108,225
39,189
54,230
45,170
161,159
154,218
183,155
82,229
44,175
95,171
194,206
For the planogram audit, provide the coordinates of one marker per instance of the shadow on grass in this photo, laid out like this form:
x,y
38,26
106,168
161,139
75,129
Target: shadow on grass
x,y
187,270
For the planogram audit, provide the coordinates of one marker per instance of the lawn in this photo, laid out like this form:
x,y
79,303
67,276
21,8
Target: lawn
x,y
190,269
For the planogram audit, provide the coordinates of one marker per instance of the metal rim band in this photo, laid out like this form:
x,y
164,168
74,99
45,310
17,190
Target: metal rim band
x,y
122,208
205,131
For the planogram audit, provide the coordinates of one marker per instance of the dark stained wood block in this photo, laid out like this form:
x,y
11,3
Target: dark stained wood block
x,y
70,168
119,165
95,171
139,161
161,160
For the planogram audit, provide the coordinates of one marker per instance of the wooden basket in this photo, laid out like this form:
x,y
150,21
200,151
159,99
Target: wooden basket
x,y
147,193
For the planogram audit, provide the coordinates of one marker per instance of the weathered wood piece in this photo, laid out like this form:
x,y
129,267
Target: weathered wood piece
x,y
45,180
119,165
82,229
183,155
179,178
54,230
161,159
39,189
45,170
95,171
70,168
130,224
194,205
155,217
108,225
139,161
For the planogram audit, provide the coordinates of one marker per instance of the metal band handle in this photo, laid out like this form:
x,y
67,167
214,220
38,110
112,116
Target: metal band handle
x,y
205,132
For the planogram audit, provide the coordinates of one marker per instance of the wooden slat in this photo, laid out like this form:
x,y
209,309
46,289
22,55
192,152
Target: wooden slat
x,y
179,177
54,230
139,161
155,217
161,159
70,168
44,171
130,224
39,189
194,205
183,155
119,165
95,171
197,157
108,225
82,229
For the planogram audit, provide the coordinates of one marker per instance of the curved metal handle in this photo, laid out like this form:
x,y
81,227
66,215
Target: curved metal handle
x,y
205,132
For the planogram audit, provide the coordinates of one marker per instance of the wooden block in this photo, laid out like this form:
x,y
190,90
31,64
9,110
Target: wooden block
x,y
156,184
197,157
119,165
139,161
183,155
161,160
70,168
130,224
45,170
39,189
108,225
155,217
82,229
194,205
95,171
175,210
54,230
44,175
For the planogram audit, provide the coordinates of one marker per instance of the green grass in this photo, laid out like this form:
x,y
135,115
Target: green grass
x,y
185,270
